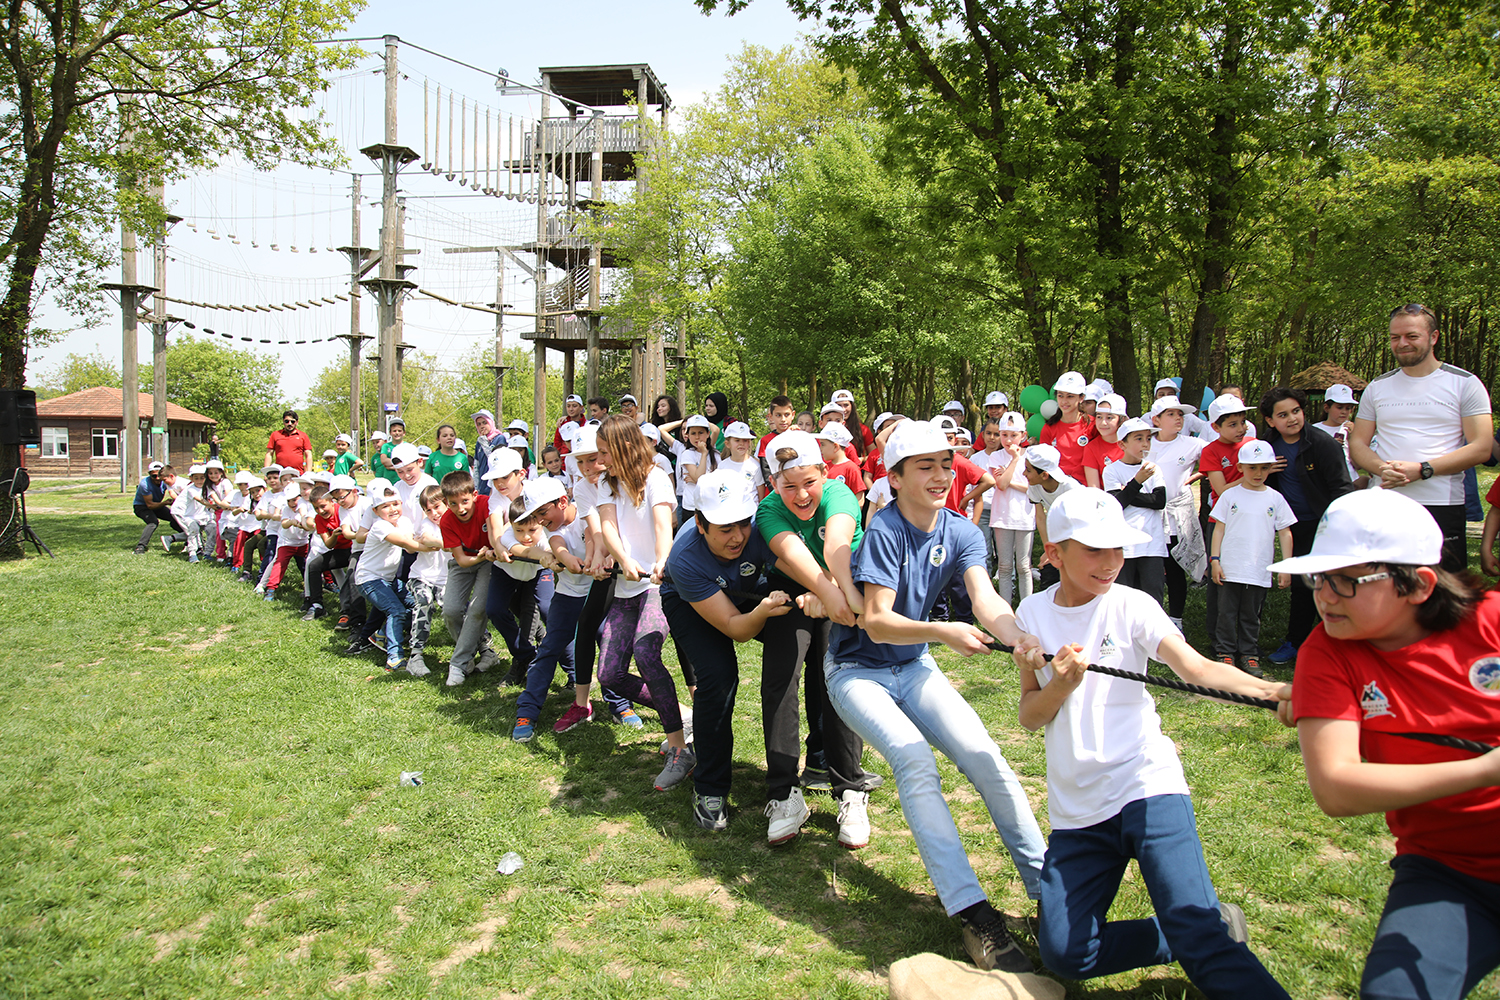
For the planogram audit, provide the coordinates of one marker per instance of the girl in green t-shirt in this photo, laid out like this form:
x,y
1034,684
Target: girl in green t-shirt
x,y
447,458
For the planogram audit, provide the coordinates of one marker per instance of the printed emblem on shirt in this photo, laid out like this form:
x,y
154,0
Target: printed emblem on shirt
x,y
823,533
1374,702
1083,440
1224,462
938,555
721,582
1484,675
1108,647
1271,512
747,569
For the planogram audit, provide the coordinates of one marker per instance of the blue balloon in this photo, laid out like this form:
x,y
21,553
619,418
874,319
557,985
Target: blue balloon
x,y
1208,397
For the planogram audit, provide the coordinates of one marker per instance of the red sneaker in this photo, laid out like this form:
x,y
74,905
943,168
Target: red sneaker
x,y
576,715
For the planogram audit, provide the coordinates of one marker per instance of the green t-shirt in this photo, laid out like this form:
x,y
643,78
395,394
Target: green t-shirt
x,y
439,465
344,464
772,518
389,475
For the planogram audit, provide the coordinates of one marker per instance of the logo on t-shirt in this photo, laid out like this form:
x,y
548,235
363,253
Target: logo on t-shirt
x,y
747,569
938,555
823,533
721,582
1108,647
1484,675
1374,702
1083,440
1271,512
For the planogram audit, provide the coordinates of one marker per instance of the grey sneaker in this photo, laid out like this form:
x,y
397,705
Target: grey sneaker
x,y
680,764
487,659
456,675
416,667
990,946
787,816
711,812
1234,920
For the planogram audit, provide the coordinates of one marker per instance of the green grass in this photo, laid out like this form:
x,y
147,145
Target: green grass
x,y
200,798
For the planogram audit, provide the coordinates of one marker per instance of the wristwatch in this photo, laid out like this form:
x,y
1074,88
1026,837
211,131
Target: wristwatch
x,y
1426,470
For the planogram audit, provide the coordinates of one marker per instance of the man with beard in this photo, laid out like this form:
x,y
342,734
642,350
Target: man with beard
x,y
1430,421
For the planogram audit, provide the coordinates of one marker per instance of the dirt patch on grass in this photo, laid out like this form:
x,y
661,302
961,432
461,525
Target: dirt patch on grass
x,y
1332,852
167,942
257,917
483,940
381,966
610,829
701,888
219,635
619,970
303,949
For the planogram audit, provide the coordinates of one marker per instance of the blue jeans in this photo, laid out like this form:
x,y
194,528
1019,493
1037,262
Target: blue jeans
x,y
384,597
1083,873
512,609
905,712
556,648
1438,937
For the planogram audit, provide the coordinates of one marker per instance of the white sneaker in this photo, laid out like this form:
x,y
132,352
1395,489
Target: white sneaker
x,y
1175,621
487,658
854,819
415,666
455,675
260,588
787,817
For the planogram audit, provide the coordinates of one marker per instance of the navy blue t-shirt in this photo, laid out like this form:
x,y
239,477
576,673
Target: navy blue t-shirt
x,y
917,565
694,573
147,490
1290,482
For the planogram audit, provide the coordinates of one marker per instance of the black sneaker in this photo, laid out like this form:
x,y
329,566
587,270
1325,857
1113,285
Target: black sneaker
x,y
817,779
342,625
990,945
359,644
711,812
313,613
1234,920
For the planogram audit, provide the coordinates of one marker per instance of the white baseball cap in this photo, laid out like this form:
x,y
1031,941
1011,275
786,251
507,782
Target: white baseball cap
x,y
801,442
1370,526
739,429
503,462
520,425
213,463
1093,518
1166,383
516,441
585,441
273,468
880,420
380,436
1256,453
842,396
1132,425
325,477
1094,391
1044,458
155,467
1111,402
381,491
568,431
953,404
242,477
1070,382
944,423
698,420
963,435
726,497
831,408
255,483
628,398
540,492
197,470
836,433
1339,393
1010,420
482,413
1102,384
1221,406
997,399
330,453
345,438
459,445
348,483
423,451
650,433
404,453
915,437
575,398
1171,403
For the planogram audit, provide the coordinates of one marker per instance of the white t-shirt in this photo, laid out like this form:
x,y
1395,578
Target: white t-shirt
x,y
411,496
430,567
662,462
518,570
270,503
186,508
678,449
1037,494
291,506
239,522
1419,418
691,459
381,560
1105,747
1340,433
363,519
1251,519
586,496
879,492
1010,508
637,528
750,467
573,584
1176,459
1116,475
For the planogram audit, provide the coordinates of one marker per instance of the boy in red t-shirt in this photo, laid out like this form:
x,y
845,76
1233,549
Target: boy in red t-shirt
x,y
832,440
467,590
1487,559
336,556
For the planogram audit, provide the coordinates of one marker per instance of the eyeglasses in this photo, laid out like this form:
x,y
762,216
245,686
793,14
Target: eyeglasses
x,y
1343,586
1412,309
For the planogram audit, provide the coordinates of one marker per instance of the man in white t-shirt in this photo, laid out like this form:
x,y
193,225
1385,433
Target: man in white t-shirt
x,y
1433,422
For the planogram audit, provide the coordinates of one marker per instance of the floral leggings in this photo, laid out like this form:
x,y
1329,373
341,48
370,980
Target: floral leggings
x,y
636,626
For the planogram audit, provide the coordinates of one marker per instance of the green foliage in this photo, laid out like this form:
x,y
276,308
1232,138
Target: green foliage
x,y
81,371
239,389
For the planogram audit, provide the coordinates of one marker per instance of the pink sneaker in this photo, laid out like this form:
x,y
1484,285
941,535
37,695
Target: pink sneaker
x,y
576,715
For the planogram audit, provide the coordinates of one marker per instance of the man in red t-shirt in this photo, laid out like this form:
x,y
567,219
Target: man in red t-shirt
x,y
467,591
289,447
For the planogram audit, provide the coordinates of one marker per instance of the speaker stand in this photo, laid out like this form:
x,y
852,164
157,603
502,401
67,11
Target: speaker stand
x,y
30,535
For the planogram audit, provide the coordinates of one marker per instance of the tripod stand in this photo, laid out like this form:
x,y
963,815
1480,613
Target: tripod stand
x,y
14,489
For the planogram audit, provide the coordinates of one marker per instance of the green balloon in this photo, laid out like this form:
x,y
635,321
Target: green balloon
x,y
1031,398
1035,423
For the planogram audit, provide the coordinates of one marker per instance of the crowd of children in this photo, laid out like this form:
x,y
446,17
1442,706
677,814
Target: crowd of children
x,y
844,549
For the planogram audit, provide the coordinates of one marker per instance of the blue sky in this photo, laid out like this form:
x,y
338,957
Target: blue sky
x,y
222,253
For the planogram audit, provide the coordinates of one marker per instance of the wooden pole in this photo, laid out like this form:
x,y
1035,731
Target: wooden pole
x,y
390,359
499,333
160,438
130,375
596,258
541,166
356,339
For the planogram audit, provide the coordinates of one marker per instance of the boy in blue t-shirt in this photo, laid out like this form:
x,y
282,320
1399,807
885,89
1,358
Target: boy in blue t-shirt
x,y
885,684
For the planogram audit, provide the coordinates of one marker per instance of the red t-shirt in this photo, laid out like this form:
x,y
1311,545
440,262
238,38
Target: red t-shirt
x,y
875,465
327,524
557,438
1447,683
764,440
1217,456
470,534
1070,440
1493,496
1097,454
850,474
289,450
965,475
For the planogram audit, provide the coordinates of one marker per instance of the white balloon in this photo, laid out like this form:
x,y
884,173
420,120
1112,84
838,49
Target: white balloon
x,y
1048,409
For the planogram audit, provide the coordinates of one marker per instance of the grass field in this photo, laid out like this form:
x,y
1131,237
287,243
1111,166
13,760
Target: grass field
x,y
200,798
